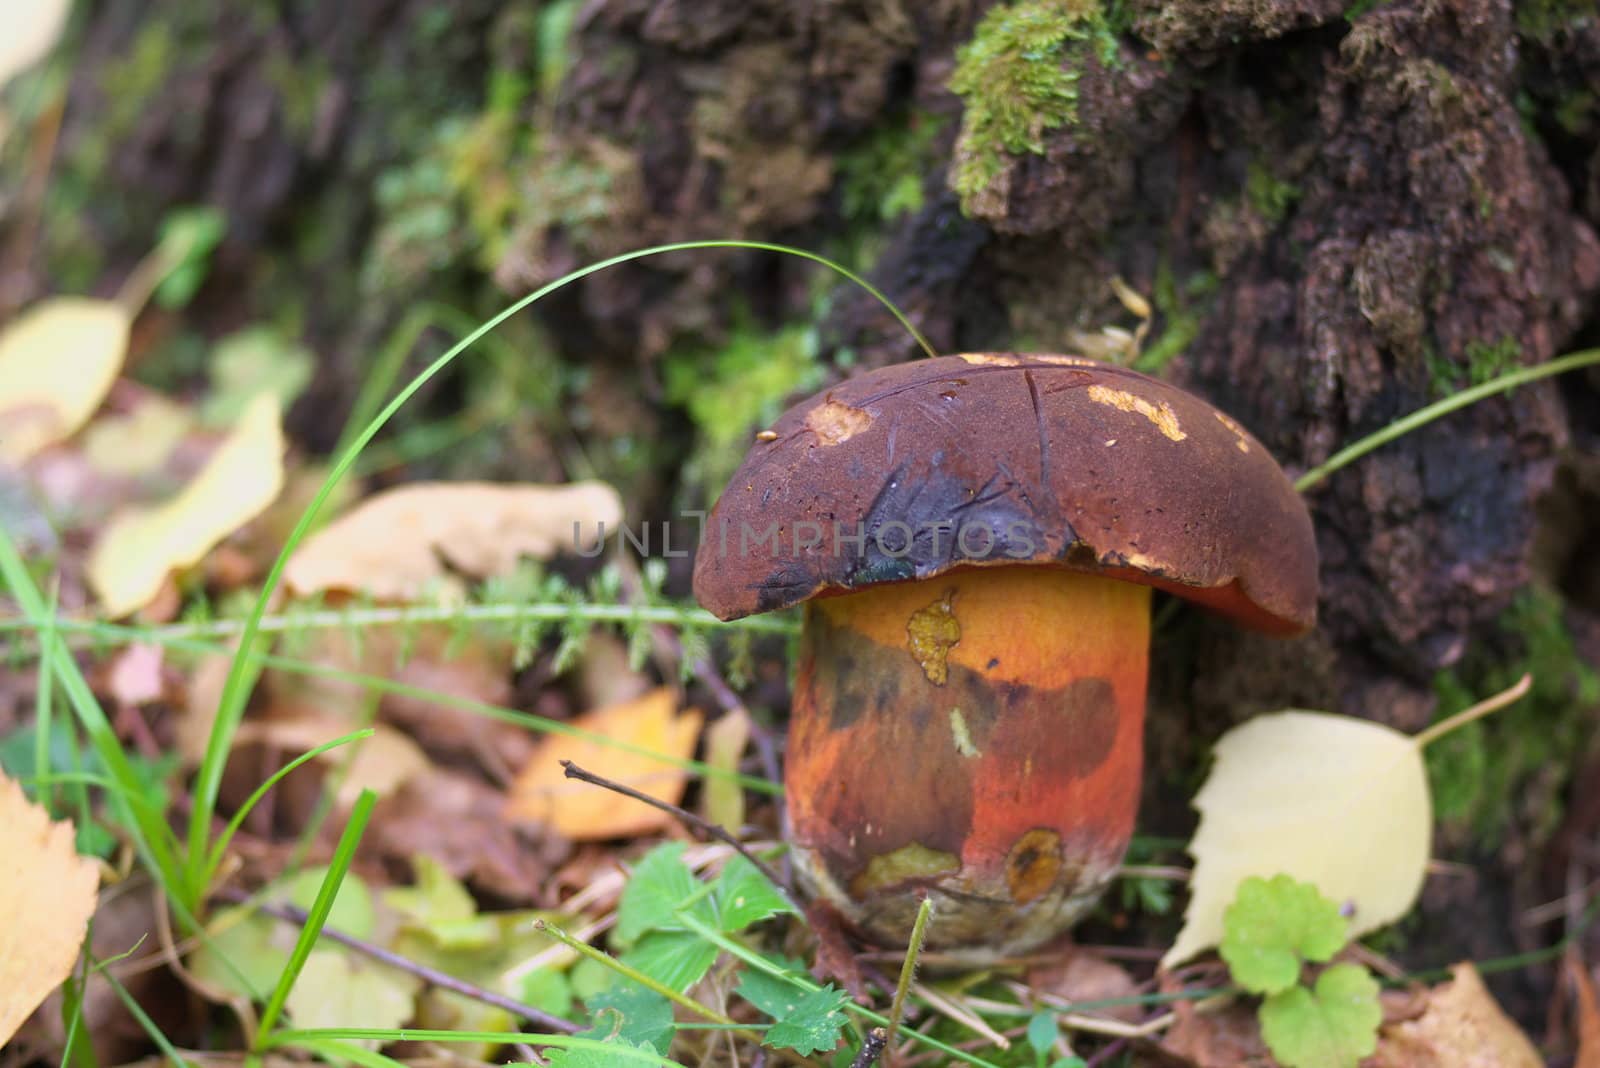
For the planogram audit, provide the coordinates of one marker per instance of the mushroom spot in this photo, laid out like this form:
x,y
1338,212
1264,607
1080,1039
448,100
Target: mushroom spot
x,y
961,736
1088,729
833,422
1033,864
931,632
991,359
1238,431
1162,415
1010,359
913,861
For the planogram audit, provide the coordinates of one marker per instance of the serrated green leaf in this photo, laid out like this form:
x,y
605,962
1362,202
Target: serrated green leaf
x,y
1333,1027
770,994
813,1026
593,1058
658,885
1273,926
676,959
745,896
633,1013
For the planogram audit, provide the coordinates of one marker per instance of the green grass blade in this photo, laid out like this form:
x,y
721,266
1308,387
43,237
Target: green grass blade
x,y
317,915
152,837
242,675
1455,402
286,1038
220,847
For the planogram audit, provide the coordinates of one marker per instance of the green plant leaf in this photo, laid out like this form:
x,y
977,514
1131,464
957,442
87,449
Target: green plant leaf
x,y
770,994
1334,1026
592,1058
677,959
745,896
657,886
1043,1032
1273,926
633,1013
813,1025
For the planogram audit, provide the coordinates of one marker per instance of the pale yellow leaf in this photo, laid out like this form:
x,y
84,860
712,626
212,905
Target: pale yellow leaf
x,y
47,894
1461,1027
382,762
139,442
391,545
141,546
57,360
334,990
580,810
1338,802
723,796
29,29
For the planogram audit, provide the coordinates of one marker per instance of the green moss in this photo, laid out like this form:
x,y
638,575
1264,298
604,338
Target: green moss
x,y
1269,195
1544,20
1182,311
1487,360
734,390
881,178
1514,765
1018,78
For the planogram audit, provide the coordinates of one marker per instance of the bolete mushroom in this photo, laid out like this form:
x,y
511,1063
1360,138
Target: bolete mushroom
x,y
976,538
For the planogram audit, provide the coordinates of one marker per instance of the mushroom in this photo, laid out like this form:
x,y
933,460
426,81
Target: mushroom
x,y
975,539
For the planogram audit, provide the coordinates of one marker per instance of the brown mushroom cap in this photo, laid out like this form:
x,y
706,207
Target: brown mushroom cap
x,y
1005,459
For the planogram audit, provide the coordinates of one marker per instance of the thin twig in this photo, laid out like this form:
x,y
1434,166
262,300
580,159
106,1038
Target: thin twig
x,y
1500,700
704,826
871,1048
292,914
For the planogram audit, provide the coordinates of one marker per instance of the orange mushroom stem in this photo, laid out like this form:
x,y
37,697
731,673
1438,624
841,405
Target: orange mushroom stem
x,y
975,737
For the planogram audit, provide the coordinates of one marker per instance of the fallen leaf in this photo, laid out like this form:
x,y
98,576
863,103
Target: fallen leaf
x,y
336,990
141,546
1337,802
135,674
1084,975
28,32
1462,1027
47,894
391,545
723,796
1224,1036
57,360
581,811
1588,1010
458,821
138,442
381,763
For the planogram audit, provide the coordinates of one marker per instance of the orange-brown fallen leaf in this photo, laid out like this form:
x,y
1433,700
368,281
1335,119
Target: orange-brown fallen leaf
x,y
395,544
1460,1027
382,763
542,793
1587,1006
47,894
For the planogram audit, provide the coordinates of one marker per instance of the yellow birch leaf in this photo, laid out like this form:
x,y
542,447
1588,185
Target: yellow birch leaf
x,y
140,442
390,546
723,797
579,810
29,29
1337,802
57,360
47,894
134,554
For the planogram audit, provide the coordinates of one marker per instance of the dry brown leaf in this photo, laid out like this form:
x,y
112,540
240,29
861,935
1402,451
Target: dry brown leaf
x,y
394,544
542,793
1223,1036
458,820
47,894
1084,975
1462,1027
135,677
381,763
1588,1009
